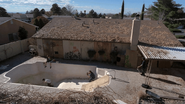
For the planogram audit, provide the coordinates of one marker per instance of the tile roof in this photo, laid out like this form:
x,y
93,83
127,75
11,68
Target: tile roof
x,y
4,19
107,30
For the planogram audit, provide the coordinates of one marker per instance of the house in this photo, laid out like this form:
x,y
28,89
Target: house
x,y
71,38
9,29
29,16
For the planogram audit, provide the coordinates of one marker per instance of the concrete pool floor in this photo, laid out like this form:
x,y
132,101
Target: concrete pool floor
x,y
74,84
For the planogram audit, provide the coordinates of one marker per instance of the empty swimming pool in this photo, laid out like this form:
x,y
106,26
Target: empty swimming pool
x,y
64,76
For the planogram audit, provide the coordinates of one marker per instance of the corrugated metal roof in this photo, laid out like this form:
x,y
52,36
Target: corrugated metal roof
x,y
162,53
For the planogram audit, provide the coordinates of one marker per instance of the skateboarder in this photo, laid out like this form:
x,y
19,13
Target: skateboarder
x,y
48,81
141,68
91,76
48,60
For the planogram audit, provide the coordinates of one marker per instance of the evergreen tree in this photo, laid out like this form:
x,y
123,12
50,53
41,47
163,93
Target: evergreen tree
x,y
27,12
100,15
122,10
56,10
3,12
92,14
142,12
167,11
41,24
133,14
81,14
22,33
36,22
42,11
36,13
64,11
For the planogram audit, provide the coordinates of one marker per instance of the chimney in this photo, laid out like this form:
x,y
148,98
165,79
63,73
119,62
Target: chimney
x,y
135,33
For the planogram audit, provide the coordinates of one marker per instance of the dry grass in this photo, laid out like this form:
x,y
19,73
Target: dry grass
x,y
27,95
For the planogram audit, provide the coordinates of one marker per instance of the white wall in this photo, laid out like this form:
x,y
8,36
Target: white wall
x,y
40,47
34,73
13,48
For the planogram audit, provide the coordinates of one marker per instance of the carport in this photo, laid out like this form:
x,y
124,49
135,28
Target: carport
x,y
151,53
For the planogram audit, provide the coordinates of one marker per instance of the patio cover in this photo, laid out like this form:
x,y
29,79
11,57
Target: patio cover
x,y
162,53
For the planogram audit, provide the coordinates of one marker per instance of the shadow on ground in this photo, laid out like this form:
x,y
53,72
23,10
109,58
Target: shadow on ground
x,y
14,61
164,80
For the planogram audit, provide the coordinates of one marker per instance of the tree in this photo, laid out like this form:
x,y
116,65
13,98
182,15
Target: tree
x,y
92,14
42,11
166,11
100,15
70,9
142,12
76,14
36,22
128,14
36,13
81,14
104,15
22,33
122,10
41,24
3,12
64,11
56,10
40,21
133,14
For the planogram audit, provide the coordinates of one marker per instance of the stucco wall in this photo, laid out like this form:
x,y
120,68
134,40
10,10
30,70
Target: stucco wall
x,y
53,48
34,73
78,49
85,46
13,48
12,26
106,46
40,47
72,49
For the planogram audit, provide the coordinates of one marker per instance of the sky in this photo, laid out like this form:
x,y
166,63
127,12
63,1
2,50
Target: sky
x,y
100,6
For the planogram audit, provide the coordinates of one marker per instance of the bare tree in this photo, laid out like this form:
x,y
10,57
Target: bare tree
x,y
70,9
128,14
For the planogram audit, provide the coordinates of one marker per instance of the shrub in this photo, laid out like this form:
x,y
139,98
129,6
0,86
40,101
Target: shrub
x,y
22,33
175,30
101,52
113,54
91,53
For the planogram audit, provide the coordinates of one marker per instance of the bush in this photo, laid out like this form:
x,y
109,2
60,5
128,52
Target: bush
x,y
101,52
175,30
113,54
180,36
22,33
91,53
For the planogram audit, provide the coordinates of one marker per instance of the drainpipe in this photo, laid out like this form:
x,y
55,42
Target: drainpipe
x,y
135,33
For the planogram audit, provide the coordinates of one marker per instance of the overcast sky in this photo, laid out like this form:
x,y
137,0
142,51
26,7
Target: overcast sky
x,y
100,6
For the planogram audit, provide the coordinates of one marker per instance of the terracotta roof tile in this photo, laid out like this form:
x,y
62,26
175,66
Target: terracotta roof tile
x,y
107,30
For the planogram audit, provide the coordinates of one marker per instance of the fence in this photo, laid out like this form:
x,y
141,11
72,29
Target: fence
x,y
13,48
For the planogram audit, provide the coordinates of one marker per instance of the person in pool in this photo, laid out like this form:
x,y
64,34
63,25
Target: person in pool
x,y
91,76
